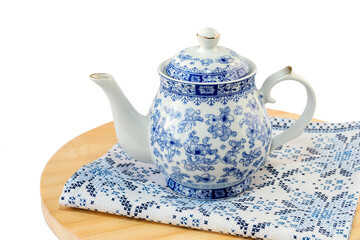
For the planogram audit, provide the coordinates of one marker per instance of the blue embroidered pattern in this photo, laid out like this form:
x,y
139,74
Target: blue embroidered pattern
x,y
308,189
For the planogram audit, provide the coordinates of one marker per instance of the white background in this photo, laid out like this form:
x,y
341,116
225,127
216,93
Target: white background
x,y
49,48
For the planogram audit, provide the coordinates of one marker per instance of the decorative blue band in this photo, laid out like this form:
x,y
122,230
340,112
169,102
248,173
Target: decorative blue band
x,y
209,193
207,90
206,93
222,75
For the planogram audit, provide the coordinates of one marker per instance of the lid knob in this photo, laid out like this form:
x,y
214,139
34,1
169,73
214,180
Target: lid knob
x,y
208,62
208,38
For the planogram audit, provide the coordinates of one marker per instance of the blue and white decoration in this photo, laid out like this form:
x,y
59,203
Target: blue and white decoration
x,y
207,136
307,189
228,67
208,62
206,93
210,147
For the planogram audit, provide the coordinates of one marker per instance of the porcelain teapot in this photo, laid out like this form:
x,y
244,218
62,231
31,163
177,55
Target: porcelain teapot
x,y
207,130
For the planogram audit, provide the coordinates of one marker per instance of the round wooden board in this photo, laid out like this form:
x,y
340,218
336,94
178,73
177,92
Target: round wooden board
x,y
70,223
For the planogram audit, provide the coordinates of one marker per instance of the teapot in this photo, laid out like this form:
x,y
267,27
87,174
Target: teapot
x,y
207,130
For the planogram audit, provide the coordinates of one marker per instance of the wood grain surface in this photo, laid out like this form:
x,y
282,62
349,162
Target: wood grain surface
x,y
70,223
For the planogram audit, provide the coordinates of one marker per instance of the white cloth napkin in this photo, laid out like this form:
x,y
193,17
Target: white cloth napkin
x,y
308,189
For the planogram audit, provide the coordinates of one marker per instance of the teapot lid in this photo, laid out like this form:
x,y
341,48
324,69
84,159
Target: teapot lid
x,y
207,62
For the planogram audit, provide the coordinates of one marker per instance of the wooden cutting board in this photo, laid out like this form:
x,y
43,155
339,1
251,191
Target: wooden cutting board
x,y
70,223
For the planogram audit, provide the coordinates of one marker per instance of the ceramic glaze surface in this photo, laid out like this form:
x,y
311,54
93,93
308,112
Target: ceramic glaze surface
x,y
207,130
209,142
207,62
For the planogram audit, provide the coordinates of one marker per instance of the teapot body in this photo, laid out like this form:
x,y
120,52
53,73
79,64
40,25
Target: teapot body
x,y
209,139
207,130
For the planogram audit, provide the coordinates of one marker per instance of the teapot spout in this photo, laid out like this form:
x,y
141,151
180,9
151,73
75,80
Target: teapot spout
x,y
131,127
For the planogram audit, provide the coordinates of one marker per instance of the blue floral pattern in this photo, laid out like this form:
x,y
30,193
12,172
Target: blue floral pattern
x,y
191,117
220,125
256,129
236,172
164,138
228,67
232,155
204,62
206,178
224,59
177,174
173,114
183,143
248,158
199,156
238,110
252,104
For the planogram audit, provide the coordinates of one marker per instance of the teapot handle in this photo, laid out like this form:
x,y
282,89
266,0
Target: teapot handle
x,y
298,127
